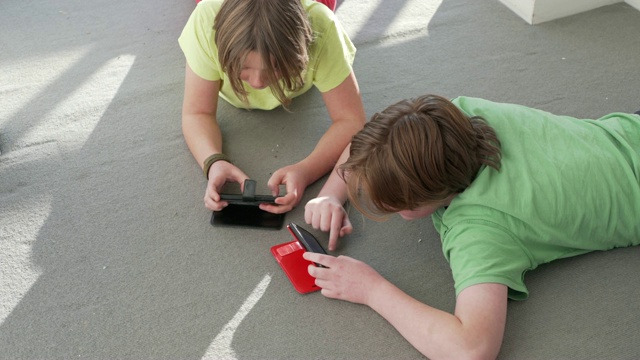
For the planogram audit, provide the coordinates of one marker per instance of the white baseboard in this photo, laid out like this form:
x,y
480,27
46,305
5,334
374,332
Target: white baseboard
x,y
546,10
634,3
522,8
539,11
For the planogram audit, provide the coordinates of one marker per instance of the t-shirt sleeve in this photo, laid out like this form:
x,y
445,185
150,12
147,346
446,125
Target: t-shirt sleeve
x,y
483,253
335,54
196,42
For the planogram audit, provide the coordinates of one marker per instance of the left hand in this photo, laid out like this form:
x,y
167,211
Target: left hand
x,y
344,278
327,214
295,181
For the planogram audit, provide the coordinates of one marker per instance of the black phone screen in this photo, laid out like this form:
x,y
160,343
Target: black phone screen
x,y
308,241
247,215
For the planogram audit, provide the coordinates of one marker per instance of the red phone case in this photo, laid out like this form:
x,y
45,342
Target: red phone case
x,y
289,256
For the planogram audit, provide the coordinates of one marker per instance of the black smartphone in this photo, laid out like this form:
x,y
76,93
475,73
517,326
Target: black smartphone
x,y
308,241
257,199
243,209
248,196
247,215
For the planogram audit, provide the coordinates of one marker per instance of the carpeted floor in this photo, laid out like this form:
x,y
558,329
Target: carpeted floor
x,y
106,251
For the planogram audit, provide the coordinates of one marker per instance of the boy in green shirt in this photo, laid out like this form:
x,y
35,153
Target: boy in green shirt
x,y
508,188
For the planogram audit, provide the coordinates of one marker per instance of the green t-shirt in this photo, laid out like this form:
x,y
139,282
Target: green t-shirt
x,y
566,187
331,53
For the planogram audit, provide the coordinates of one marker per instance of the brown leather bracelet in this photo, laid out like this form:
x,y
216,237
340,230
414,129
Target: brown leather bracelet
x,y
210,160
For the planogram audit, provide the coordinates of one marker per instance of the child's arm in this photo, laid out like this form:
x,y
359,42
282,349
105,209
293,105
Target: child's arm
x,y
345,108
202,134
474,331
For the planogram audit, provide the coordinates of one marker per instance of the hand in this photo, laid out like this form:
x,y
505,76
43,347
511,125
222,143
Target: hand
x,y
327,214
295,181
344,278
220,173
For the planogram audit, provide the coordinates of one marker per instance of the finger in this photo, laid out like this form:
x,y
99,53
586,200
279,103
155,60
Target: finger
x,y
318,272
288,199
213,194
324,284
310,256
316,220
331,294
321,259
311,269
326,222
334,232
275,209
333,240
308,214
214,205
293,192
274,183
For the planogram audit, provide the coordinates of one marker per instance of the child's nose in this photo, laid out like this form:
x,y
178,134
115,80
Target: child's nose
x,y
256,80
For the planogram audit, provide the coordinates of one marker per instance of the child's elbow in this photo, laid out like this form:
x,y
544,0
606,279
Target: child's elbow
x,y
465,351
479,351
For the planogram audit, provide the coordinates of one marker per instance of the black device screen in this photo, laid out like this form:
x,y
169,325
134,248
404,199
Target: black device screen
x,y
307,240
247,215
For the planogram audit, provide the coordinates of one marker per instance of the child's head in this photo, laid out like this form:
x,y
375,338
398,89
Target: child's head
x,y
417,152
277,31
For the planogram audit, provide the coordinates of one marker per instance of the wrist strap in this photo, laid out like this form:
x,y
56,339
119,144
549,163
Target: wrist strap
x,y
210,160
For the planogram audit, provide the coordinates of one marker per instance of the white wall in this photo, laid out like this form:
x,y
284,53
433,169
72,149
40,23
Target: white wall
x,y
546,10
538,11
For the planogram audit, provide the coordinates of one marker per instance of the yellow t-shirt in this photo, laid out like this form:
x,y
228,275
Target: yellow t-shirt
x,y
331,54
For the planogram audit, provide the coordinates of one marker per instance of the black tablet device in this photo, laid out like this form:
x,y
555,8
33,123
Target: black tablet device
x,y
243,209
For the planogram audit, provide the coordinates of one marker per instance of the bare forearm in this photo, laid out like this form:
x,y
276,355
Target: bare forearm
x,y
329,149
202,135
474,332
335,185
346,110
435,333
199,126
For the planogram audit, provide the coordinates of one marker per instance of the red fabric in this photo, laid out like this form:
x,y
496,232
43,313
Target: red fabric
x,y
331,4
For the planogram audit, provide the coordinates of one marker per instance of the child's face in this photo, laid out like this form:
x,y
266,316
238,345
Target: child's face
x,y
420,212
425,210
254,71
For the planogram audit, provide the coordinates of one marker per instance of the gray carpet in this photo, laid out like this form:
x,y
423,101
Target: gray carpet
x,y
106,251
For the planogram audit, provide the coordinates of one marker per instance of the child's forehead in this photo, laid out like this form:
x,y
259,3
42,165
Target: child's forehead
x,y
252,58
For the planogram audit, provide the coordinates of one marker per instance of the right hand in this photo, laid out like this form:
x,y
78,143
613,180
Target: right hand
x,y
220,173
295,180
327,214
344,278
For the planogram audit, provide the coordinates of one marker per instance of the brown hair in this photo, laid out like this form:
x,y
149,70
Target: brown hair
x,y
416,152
278,30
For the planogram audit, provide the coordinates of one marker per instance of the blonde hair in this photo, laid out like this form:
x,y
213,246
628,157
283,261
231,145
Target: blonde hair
x,y
278,30
416,152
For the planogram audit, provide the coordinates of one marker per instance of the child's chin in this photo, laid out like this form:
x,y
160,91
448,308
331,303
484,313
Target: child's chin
x,y
407,217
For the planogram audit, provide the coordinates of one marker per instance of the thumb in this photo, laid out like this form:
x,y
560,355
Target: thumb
x,y
347,228
274,183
